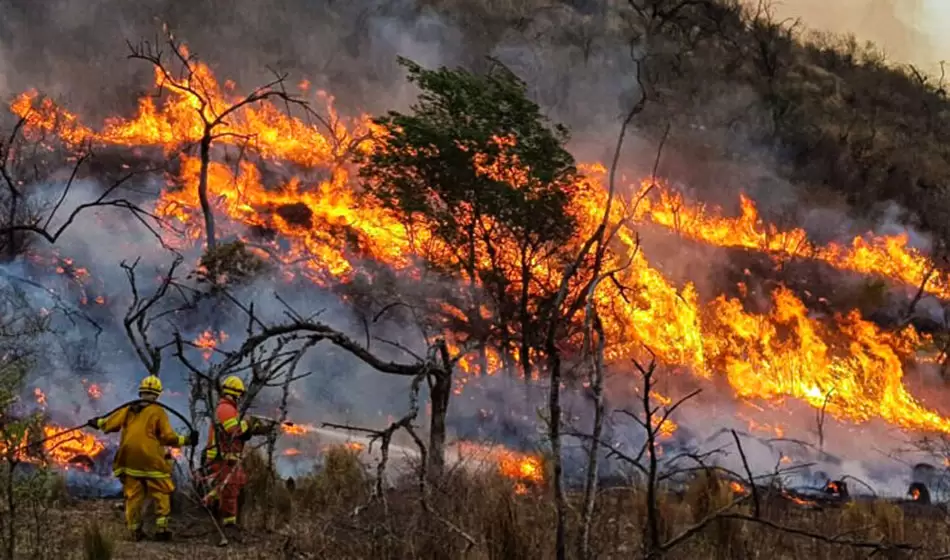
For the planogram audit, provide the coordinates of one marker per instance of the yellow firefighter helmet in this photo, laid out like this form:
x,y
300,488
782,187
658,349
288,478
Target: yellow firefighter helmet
x,y
233,386
151,384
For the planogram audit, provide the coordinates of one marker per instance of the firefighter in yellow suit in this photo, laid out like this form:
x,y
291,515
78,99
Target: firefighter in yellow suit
x,y
140,462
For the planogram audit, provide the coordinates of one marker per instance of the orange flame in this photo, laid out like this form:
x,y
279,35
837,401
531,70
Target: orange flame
x,y
208,342
296,429
59,448
94,391
522,468
355,446
64,448
846,364
886,256
798,499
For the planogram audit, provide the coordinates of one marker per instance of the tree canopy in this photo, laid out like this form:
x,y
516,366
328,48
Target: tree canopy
x,y
474,147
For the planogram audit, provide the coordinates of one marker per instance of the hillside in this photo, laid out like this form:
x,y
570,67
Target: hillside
x,y
410,249
753,102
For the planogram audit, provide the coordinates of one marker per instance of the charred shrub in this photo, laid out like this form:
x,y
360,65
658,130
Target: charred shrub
x,y
229,263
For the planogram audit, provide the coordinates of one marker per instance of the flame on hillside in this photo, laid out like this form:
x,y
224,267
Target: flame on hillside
x,y
845,364
94,391
888,256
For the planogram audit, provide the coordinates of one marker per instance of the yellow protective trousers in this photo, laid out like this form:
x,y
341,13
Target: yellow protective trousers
x,y
138,490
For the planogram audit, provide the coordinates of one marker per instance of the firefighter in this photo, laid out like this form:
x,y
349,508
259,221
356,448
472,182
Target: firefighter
x,y
226,438
140,462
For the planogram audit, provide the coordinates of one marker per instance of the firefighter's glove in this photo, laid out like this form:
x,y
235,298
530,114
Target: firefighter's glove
x,y
193,438
267,425
93,423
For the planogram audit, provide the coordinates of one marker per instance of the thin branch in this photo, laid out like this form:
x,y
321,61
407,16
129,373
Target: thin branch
x,y
835,540
748,471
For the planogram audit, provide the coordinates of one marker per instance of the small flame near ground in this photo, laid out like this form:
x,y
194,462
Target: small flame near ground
x,y
93,390
524,469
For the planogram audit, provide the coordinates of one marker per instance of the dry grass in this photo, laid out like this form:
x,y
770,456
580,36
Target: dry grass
x,y
319,519
96,545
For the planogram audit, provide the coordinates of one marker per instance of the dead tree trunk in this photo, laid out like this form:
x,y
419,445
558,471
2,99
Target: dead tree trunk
x,y
206,209
554,432
525,320
440,392
593,457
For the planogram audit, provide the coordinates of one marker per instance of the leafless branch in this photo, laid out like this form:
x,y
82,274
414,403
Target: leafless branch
x,y
834,539
748,471
137,319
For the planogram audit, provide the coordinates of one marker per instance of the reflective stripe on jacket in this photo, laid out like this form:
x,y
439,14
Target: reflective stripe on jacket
x,y
145,433
228,421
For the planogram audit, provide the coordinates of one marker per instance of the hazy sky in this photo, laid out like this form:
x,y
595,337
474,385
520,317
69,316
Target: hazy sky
x,y
915,31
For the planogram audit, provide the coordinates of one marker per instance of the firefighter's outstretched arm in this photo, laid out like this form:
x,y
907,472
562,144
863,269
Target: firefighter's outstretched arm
x,y
238,428
111,423
167,435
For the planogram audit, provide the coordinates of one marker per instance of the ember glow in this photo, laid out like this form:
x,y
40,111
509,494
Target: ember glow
x,y
94,392
208,341
844,364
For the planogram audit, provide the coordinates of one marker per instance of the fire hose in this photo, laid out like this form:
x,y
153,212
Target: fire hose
x,y
110,413
204,501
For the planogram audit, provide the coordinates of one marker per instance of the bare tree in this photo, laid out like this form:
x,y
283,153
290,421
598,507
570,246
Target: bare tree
x,y
268,351
188,82
24,217
144,311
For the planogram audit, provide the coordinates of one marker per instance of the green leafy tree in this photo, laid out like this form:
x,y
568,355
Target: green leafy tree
x,y
476,163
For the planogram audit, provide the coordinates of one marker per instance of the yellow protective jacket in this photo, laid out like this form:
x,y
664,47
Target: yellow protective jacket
x,y
145,432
